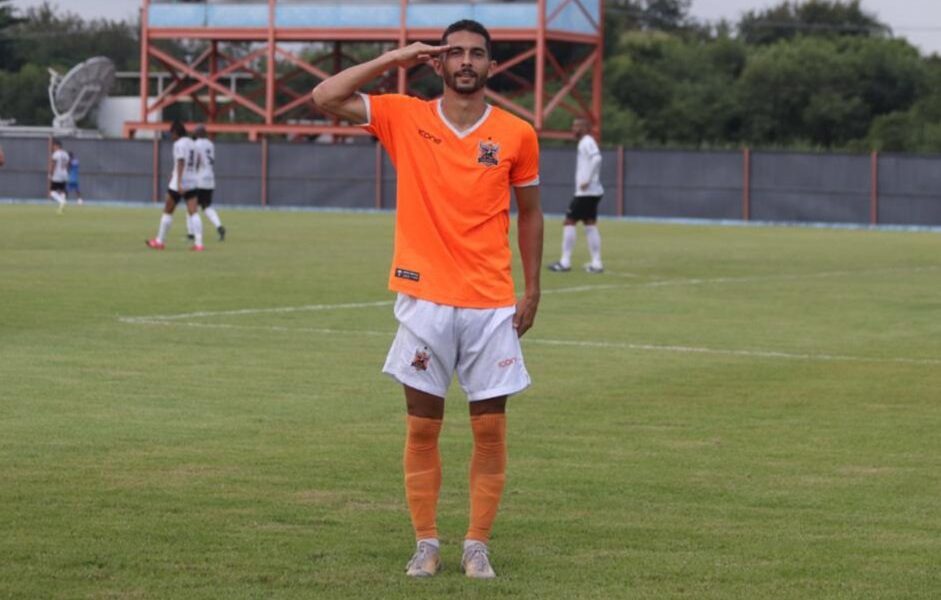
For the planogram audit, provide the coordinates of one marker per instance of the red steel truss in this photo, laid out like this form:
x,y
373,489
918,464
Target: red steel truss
x,y
558,66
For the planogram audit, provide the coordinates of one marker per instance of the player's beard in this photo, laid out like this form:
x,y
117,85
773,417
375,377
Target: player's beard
x,y
477,81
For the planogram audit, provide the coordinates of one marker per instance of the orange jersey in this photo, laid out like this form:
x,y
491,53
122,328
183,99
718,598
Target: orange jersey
x,y
453,199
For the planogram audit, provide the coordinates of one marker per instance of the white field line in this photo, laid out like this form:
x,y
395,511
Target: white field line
x,y
185,319
721,280
571,343
563,290
254,311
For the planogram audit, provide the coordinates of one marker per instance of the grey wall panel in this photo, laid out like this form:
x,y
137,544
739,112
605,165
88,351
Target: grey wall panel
x,y
119,170
829,188
682,184
27,165
321,193
910,189
557,180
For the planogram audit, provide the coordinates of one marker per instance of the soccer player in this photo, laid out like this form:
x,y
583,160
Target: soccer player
x,y
457,159
584,206
182,187
206,179
72,183
58,174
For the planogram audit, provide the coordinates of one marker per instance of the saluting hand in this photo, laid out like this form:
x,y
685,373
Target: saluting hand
x,y
417,53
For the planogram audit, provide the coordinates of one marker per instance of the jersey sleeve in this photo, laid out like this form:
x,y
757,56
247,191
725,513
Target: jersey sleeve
x,y
179,153
525,170
589,147
383,112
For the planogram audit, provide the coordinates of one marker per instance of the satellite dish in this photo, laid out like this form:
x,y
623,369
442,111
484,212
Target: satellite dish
x,y
73,96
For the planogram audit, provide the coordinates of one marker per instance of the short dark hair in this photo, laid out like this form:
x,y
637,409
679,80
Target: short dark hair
x,y
471,26
178,128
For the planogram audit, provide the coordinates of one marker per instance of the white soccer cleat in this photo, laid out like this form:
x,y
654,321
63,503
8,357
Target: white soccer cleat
x,y
425,562
476,562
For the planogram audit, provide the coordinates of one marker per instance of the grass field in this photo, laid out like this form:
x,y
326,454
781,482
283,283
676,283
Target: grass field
x,y
726,413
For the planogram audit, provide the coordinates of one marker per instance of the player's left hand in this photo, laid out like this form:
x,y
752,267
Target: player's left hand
x,y
525,313
583,186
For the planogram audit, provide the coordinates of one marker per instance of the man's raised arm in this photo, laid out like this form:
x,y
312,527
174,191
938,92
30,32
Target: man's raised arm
x,y
337,95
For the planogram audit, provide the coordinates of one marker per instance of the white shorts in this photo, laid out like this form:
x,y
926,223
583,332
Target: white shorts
x,y
434,341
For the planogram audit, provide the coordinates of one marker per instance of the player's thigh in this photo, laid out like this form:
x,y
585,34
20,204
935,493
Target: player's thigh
x,y
424,352
490,363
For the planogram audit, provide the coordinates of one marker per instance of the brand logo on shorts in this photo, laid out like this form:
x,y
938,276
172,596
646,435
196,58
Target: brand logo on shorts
x,y
429,137
507,362
421,360
406,274
487,154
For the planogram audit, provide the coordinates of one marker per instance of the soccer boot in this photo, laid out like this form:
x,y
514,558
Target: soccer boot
x,y
155,244
590,268
221,230
425,562
558,267
476,562
197,248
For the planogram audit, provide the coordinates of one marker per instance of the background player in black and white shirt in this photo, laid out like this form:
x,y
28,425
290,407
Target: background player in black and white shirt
x,y
206,179
58,174
584,207
182,186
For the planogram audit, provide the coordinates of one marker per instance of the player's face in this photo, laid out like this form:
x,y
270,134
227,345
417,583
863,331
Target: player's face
x,y
466,66
579,128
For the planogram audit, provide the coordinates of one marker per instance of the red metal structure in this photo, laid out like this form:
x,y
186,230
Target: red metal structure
x,y
550,55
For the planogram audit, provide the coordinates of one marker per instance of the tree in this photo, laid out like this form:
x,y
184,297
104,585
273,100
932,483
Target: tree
x,y
7,20
825,18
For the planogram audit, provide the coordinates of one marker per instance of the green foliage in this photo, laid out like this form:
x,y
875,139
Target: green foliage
x,y
47,38
821,18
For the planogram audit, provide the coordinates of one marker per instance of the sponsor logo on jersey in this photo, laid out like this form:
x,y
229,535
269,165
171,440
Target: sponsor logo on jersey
x,y
487,153
421,360
406,274
429,136
506,362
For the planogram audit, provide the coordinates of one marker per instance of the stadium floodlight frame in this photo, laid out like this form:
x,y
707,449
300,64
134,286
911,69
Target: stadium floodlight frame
x,y
79,91
564,70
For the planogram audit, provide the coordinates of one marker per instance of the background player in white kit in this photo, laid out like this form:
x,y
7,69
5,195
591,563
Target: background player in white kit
x,y
58,174
206,181
584,207
182,186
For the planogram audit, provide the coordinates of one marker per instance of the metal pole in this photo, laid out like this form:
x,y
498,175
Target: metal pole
x,y
598,75
144,70
269,91
403,40
540,64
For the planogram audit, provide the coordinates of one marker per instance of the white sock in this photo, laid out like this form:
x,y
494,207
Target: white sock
x,y
58,197
165,222
568,244
432,541
594,244
213,217
196,226
189,225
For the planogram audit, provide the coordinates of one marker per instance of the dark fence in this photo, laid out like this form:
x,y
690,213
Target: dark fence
x,y
742,185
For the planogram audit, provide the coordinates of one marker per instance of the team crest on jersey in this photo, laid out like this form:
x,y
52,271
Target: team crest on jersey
x,y
487,153
421,360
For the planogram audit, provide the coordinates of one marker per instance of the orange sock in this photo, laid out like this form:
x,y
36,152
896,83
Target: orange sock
x,y
487,473
423,474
